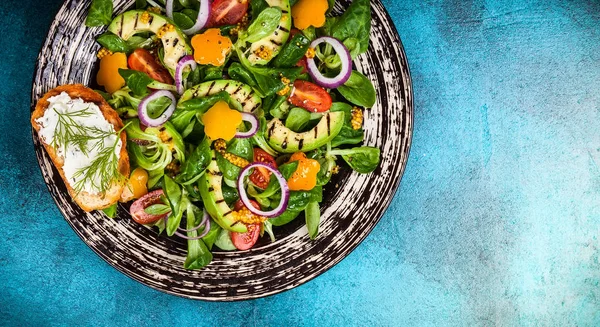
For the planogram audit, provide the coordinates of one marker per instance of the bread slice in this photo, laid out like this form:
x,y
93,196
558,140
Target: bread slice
x,y
85,200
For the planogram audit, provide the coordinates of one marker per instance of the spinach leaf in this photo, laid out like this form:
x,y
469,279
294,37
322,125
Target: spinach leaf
x,y
285,218
182,20
258,6
288,169
268,80
239,147
100,13
331,4
212,235
347,135
230,194
299,201
111,212
136,42
263,25
359,90
363,159
177,202
292,51
353,46
312,214
140,4
268,227
224,241
198,254
297,119
136,81
259,139
113,43
237,72
212,73
355,23
202,105
280,107
196,163
157,209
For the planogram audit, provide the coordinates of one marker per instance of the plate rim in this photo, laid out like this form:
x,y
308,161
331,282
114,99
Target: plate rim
x,y
409,105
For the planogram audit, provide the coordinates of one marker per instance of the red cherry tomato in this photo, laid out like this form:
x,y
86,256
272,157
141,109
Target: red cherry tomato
x,y
143,61
227,12
239,205
138,212
310,97
261,176
245,241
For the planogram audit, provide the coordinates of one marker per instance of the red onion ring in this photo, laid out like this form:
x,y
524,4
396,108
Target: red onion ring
x,y
201,20
143,109
345,58
187,61
285,196
253,126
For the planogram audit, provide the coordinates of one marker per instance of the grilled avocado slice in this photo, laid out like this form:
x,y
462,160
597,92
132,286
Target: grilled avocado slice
x,y
241,92
271,45
211,192
284,140
173,40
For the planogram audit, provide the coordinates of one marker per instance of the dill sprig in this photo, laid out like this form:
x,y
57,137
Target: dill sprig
x,y
68,131
104,169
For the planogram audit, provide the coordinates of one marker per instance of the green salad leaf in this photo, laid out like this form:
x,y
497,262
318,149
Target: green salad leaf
x,y
359,90
100,13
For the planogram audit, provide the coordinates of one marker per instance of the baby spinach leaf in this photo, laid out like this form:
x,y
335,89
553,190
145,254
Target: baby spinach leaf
x,y
136,81
353,46
285,218
158,209
111,212
363,159
288,169
359,90
355,23
292,51
182,20
113,43
347,135
198,254
297,119
257,6
100,13
259,138
237,72
196,163
312,214
212,235
263,25
224,241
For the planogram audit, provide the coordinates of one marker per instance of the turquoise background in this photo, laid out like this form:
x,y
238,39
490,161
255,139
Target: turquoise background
x,y
496,222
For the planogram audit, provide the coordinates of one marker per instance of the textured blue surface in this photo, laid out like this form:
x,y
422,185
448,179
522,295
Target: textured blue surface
x,y
496,222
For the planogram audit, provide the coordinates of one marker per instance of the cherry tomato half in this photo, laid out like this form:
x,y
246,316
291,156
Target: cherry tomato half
x,y
138,212
310,97
245,241
261,176
143,61
227,12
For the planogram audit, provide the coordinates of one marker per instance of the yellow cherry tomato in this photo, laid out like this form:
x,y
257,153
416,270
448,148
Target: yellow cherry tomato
x,y
108,75
221,122
305,176
211,48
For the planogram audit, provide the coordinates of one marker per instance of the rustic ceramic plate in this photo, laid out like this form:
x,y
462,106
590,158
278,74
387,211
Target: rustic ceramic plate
x,y
353,203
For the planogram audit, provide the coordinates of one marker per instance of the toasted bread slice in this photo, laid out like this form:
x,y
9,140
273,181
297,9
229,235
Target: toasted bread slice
x,y
85,200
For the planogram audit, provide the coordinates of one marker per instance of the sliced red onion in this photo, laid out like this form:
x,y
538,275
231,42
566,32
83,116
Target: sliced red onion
x,y
143,109
187,61
285,191
201,20
203,222
345,58
253,126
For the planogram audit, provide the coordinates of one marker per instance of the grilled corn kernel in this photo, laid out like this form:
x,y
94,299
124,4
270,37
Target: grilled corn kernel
x,y
284,91
335,170
310,53
247,217
103,53
357,118
145,18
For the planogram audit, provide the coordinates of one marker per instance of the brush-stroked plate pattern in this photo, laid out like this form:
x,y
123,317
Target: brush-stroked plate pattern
x,y
353,203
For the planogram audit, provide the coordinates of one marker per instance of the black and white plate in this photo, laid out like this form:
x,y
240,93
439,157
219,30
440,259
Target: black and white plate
x,y
352,206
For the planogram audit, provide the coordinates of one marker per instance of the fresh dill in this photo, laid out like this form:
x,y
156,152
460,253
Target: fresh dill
x,y
68,131
103,171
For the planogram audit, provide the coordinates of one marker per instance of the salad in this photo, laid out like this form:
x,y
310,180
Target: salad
x,y
236,113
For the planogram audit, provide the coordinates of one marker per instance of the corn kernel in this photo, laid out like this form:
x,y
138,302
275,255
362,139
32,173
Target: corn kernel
x,y
357,118
310,53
